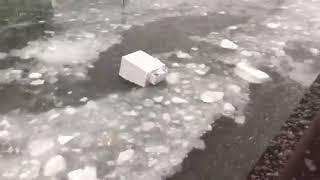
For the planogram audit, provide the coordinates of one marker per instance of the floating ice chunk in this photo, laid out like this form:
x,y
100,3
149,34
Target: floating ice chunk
x,y
54,166
240,119
228,109
64,139
83,99
234,88
125,156
147,126
246,53
273,25
141,68
4,134
70,110
314,51
251,74
211,96
194,49
233,27
3,55
157,149
173,78
88,173
30,169
183,55
158,99
148,103
35,75
130,113
227,44
178,100
166,117
40,146
37,82
53,116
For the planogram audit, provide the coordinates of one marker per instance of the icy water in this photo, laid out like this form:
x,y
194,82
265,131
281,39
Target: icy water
x,y
65,113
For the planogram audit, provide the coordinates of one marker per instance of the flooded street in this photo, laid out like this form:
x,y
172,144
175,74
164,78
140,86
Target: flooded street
x,y
66,114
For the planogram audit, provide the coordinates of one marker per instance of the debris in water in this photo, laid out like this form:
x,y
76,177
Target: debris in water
x,y
88,173
54,166
37,82
30,169
251,74
227,44
314,51
141,68
211,96
183,55
148,103
125,156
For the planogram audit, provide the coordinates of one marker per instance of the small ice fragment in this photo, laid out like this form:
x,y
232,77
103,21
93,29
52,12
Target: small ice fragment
x,y
157,149
70,110
211,96
178,100
69,92
88,173
314,51
30,169
3,55
166,117
35,75
141,68
233,27
246,53
4,134
183,55
310,164
173,78
130,113
251,74
53,116
221,12
194,49
83,99
227,44
40,146
54,166
147,126
64,139
158,99
148,103
234,88
240,119
228,109
37,82
107,19
273,25
125,156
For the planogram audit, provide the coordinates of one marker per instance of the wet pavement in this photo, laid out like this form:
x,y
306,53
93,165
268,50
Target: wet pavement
x,y
59,64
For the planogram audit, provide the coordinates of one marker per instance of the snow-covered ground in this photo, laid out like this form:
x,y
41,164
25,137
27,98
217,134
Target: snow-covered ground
x,y
145,133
